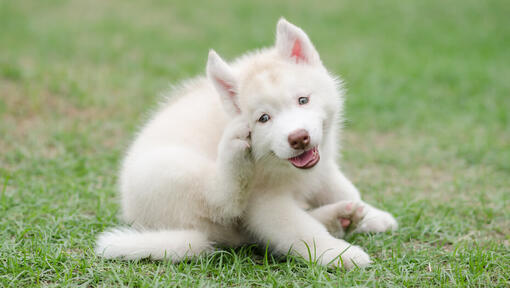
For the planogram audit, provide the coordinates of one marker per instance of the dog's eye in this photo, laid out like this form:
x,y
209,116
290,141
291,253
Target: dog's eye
x,y
303,100
264,118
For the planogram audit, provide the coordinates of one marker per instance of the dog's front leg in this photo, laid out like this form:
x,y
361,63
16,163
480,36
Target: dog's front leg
x,y
278,220
234,169
338,188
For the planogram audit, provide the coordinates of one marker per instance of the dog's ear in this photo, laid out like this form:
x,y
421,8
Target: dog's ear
x,y
293,43
223,79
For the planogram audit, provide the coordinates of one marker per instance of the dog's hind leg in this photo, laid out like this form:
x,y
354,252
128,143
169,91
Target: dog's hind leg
x,y
340,216
165,187
337,188
162,192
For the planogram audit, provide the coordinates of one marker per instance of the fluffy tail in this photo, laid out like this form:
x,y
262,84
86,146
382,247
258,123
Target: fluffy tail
x,y
131,244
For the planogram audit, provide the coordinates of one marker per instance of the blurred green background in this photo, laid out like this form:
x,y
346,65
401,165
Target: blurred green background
x,y
427,135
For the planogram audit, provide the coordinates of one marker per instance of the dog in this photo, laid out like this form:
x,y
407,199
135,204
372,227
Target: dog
x,y
246,154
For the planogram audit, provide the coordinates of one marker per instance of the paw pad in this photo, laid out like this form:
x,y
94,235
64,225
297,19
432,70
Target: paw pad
x,y
345,222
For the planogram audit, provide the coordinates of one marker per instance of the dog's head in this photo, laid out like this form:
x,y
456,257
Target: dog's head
x,y
290,100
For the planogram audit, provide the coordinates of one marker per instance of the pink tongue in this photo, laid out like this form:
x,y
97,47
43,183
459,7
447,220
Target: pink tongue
x,y
303,159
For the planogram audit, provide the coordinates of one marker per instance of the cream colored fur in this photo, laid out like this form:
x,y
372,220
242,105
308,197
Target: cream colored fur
x,y
204,171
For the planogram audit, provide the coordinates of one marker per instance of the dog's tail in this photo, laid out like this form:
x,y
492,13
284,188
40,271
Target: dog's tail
x,y
130,244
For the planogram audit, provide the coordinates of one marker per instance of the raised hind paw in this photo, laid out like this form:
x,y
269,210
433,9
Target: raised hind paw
x,y
340,217
376,221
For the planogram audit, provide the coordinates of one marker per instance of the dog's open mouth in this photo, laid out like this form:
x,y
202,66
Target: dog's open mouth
x,y
307,159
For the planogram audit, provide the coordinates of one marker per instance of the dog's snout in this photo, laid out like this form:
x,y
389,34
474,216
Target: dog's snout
x,y
299,139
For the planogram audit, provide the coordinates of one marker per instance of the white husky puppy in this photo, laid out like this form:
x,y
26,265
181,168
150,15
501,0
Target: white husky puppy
x,y
246,154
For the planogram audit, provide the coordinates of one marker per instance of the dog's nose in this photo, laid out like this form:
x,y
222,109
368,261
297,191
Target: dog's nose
x,y
299,139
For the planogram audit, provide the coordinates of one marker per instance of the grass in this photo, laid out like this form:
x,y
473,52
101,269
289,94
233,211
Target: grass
x,y
427,136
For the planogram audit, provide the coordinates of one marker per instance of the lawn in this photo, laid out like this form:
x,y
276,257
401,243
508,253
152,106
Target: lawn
x,y
427,135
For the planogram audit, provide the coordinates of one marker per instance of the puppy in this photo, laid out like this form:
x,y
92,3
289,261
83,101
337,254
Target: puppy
x,y
246,154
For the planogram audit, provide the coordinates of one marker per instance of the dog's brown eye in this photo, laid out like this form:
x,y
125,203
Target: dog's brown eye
x,y
264,118
303,100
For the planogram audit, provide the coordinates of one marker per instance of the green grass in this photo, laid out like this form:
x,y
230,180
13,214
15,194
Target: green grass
x,y
427,136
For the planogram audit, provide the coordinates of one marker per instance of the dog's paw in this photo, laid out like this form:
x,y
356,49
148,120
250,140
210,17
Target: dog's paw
x,y
376,221
347,215
355,257
235,142
346,256
350,213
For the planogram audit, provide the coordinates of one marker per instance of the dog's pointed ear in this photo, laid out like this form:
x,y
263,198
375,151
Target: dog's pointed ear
x,y
223,79
293,43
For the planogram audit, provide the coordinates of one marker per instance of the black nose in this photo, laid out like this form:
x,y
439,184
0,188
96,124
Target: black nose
x,y
299,139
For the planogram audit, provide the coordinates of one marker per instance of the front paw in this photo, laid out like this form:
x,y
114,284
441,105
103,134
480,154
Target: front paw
x,y
355,257
235,144
345,255
376,221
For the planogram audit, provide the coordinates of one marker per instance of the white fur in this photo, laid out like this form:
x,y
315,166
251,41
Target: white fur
x,y
131,244
205,170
